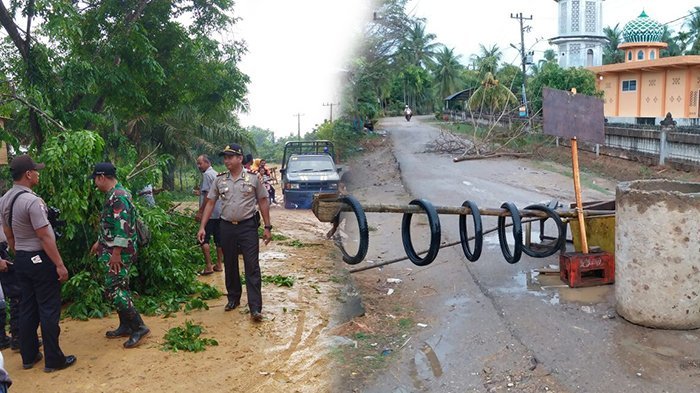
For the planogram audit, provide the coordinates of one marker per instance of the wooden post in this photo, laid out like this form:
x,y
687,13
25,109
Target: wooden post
x,y
577,191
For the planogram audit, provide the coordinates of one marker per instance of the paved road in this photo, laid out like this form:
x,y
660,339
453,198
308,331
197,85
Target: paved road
x,y
499,327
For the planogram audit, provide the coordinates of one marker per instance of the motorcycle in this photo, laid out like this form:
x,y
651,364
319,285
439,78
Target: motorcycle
x,y
408,116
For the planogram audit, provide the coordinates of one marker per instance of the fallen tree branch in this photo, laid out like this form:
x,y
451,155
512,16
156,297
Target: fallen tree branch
x,y
468,158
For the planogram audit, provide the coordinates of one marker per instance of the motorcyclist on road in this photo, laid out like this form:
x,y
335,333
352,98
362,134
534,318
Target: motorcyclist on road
x,y
407,113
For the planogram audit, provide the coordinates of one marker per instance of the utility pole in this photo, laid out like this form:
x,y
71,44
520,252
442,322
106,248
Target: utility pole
x,y
331,105
523,57
298,116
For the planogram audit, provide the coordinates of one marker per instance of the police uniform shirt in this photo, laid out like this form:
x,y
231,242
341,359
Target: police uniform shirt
x,y
29,214
208,178
238,196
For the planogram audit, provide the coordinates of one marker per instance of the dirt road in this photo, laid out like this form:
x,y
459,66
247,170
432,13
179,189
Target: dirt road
x,y
490,326
288,352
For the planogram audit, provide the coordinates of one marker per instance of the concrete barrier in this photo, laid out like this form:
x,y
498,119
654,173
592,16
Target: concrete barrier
x,y
657,253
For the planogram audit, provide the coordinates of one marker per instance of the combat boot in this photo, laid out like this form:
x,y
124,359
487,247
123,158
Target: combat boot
x,y
124,330
139,330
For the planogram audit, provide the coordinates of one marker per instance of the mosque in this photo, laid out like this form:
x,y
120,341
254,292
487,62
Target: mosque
x,y
643,88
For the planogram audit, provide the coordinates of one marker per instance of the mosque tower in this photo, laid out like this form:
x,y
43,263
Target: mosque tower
x,y
642,39
580,41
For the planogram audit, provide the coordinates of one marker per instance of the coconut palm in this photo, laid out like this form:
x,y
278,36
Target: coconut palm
x,y
488,59
419,47
447,71
492,97
611,54
693,26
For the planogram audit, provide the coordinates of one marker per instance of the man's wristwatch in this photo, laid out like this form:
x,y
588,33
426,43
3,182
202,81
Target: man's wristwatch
x,y
268,226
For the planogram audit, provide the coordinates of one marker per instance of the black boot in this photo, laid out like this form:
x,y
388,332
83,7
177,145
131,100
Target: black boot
x,y
138,329
124,330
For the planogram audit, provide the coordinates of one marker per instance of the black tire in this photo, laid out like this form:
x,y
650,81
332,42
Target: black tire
x,y
435,233
513,257
472,256
364,232
561,239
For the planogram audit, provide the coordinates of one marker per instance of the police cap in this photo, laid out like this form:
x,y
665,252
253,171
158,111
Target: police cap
x,y
23,163
232,149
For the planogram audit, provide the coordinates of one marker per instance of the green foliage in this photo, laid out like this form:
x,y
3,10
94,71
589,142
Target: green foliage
x,y
89,294
186,338
492,97
279,280
555,77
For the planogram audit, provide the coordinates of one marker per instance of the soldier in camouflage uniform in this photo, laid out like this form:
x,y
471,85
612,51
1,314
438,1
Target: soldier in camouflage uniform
x,y
116,251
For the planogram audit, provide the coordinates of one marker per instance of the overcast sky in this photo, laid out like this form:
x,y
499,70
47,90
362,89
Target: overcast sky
x,y
297,48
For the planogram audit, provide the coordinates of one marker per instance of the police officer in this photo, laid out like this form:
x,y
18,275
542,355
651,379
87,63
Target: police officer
x,y
116,251
38,264
239,191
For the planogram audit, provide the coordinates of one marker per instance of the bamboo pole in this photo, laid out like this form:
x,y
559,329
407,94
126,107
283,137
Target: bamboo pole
x,y
577,191
392,208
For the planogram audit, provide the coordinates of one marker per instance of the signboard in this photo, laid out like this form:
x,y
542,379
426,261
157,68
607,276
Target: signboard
x,y
571,115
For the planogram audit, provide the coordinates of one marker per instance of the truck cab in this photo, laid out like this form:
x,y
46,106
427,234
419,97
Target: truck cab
x,y
308,168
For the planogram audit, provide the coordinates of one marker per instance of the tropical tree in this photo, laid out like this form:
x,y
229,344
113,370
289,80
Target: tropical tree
x,y
611,54
676,44
487,60
447,72
110,65
556,77
492,97
419,47
693,25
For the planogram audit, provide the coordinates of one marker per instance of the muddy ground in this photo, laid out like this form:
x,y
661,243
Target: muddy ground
x,y
288,352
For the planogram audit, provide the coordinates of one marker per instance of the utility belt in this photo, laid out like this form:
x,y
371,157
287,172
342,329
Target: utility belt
x,y
255,217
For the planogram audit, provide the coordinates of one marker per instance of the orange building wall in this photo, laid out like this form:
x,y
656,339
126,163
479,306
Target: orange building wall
x,y
694,96
652,94
610,86
675,92
628,99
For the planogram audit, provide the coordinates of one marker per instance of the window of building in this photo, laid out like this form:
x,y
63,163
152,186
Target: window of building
x,y
589,57
629,55
652,55
640,55
629,85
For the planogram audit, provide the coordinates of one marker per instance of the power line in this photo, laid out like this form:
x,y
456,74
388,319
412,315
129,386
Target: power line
x,y
683,17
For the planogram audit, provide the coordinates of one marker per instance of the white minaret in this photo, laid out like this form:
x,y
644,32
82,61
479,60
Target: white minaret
x,y
581,39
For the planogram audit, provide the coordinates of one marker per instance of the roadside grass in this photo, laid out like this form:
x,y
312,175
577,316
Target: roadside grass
x,y
586,178
379,337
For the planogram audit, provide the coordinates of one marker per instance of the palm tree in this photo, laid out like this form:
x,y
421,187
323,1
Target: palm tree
x,y
488,59
491,96
419,47
550,57
677,44
447,71
611,54
693,25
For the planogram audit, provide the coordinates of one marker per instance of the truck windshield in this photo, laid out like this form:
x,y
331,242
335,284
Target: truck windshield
x,y
311,164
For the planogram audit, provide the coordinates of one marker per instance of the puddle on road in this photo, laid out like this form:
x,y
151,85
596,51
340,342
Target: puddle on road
x,y
426,366
554,291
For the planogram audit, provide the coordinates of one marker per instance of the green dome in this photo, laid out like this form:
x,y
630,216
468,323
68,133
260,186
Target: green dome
x,y
643,29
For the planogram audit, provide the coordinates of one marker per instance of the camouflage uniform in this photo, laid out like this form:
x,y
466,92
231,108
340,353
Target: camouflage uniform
x,y
117,228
